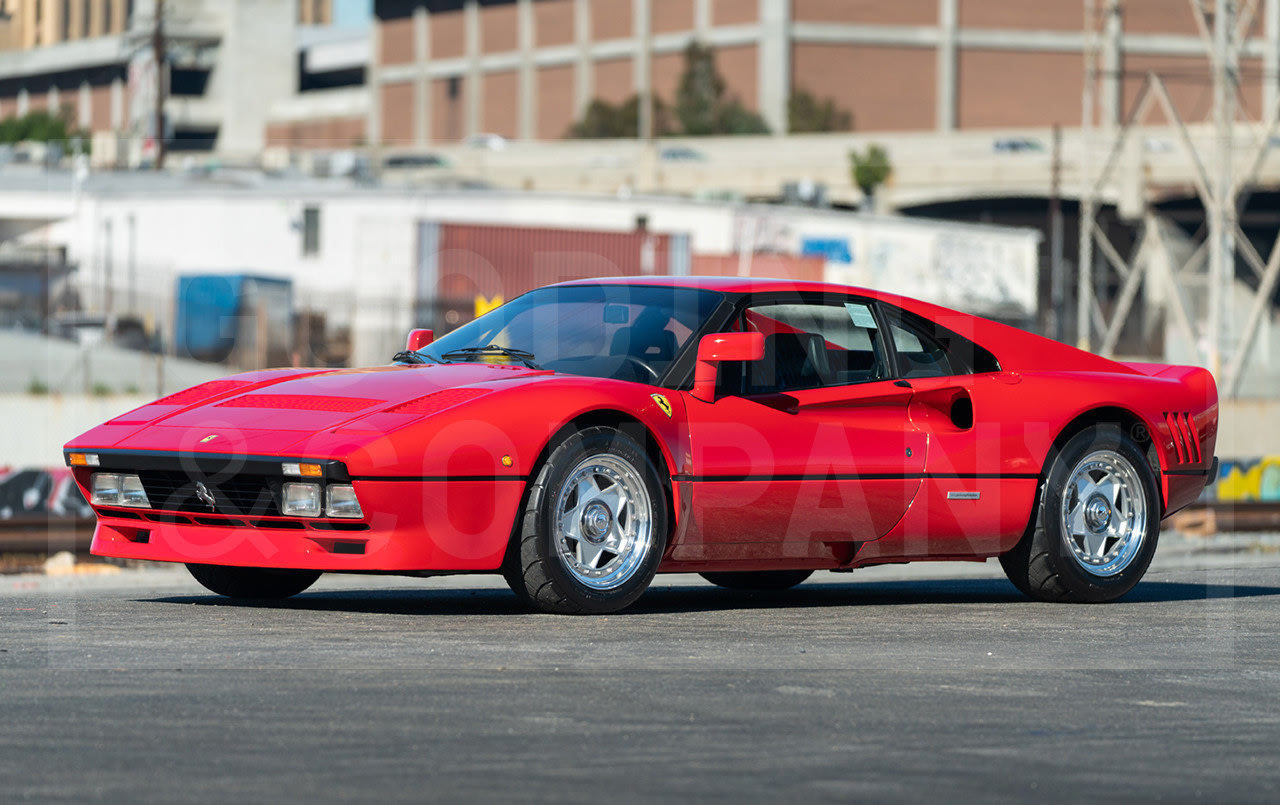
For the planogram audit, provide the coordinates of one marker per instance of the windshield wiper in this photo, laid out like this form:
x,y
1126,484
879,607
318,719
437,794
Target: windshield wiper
x,y
405,356
467,353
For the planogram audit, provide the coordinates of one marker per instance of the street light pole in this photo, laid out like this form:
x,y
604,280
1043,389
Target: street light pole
x,y
158,53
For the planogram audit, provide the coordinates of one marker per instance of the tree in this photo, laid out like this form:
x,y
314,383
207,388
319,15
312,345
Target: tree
x,y
702,107
605,120
871,169
37,126
806,113
734,118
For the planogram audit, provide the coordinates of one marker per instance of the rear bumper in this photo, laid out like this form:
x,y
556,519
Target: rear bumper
x,y
1183,487
410,526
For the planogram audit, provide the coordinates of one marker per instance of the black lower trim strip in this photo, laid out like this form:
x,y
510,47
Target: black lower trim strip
x,y
870,476
209,465
1195,473
437,478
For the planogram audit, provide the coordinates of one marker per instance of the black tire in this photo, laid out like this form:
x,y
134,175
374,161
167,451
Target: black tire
x,y
1096,525
253,582
602,483
758,579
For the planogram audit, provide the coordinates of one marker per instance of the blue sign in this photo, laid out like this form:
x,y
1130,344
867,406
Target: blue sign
x,y
833,250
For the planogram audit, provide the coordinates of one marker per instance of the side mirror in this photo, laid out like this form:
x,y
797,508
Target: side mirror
x,y
419,339
713,349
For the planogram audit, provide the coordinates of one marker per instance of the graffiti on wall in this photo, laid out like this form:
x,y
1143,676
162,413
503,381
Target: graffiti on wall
x,y
1250,479
41,493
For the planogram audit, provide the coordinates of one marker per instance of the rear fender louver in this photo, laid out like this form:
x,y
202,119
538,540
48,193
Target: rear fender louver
x,y
1186,437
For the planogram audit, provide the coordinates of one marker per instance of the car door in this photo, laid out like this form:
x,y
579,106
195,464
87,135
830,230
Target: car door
x,y
809,451
978,486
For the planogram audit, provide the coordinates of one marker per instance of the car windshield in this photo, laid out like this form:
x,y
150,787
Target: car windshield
x,y
624,332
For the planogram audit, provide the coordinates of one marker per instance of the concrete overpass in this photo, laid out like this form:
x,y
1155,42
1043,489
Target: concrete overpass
x,y
928,167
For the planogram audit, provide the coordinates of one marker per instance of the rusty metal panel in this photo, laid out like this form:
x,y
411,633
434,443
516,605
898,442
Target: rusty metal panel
x,y
482,266
781,266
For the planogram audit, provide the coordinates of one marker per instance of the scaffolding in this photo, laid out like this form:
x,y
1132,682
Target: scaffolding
x,y
1197,293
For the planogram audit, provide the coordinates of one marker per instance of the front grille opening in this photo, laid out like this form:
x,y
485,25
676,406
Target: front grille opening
x,y
222,521
323,526
157,517
344,546
244,495
123,515
287,525
142,536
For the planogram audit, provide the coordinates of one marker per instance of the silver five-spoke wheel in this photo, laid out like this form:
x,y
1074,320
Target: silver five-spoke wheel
x,y
594,527
604,521
1097,520
1104,513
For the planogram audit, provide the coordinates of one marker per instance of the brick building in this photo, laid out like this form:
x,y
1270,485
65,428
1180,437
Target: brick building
x,y
445,69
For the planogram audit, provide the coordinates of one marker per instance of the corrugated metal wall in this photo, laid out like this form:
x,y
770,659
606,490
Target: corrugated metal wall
x,y
478,267
782,266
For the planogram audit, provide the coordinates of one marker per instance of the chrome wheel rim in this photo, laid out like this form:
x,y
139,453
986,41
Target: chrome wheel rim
x,y
604,522
1104,513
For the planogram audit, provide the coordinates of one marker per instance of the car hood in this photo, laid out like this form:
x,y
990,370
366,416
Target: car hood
x,y
272,410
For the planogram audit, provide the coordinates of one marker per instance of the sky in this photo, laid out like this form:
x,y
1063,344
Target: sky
x,y
352,13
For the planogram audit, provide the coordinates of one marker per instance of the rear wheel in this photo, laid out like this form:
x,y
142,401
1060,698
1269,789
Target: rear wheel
x,y
758,579
253,582
594,528
1097,522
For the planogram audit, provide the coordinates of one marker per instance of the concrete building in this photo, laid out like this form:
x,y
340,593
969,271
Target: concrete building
x,y
361,255
29,24
226,68
447,69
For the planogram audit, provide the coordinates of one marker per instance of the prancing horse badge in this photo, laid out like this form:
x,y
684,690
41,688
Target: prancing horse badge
x,y
663,403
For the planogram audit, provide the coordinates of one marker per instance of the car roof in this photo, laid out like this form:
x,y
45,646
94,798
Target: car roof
x,y
754,285
1015,349
731,284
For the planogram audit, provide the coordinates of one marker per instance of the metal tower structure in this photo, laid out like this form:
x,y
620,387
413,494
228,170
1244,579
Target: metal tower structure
x,y
1197,294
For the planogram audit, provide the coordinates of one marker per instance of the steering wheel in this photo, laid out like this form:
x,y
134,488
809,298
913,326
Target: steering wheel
x,y
645,369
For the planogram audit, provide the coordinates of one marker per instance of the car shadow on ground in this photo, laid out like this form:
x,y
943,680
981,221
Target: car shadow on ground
x,y
662,599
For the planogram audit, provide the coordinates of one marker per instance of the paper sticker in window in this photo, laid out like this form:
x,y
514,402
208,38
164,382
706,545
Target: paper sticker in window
x,y
861,315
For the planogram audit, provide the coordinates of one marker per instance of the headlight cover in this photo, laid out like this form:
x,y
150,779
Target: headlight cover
x,y
114,489
300,500
340,501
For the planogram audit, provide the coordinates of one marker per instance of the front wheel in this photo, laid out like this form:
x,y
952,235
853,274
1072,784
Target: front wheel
x,y
253,582
594,528
1097,522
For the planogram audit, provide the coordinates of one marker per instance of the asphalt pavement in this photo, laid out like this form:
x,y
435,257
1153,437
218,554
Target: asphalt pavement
x,y
918,683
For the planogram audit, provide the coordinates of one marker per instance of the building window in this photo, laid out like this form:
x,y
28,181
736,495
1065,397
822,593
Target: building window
x,y
310,231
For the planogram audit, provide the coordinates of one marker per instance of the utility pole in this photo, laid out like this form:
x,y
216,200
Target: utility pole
x,y
644,63
1222,214
1057,276
1084,267
158,50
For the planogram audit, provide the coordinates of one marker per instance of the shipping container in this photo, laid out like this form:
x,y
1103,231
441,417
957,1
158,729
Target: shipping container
x,y
477,268
781,266
241,319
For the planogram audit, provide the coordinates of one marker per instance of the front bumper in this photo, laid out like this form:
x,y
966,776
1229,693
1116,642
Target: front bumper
x,y
410,525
